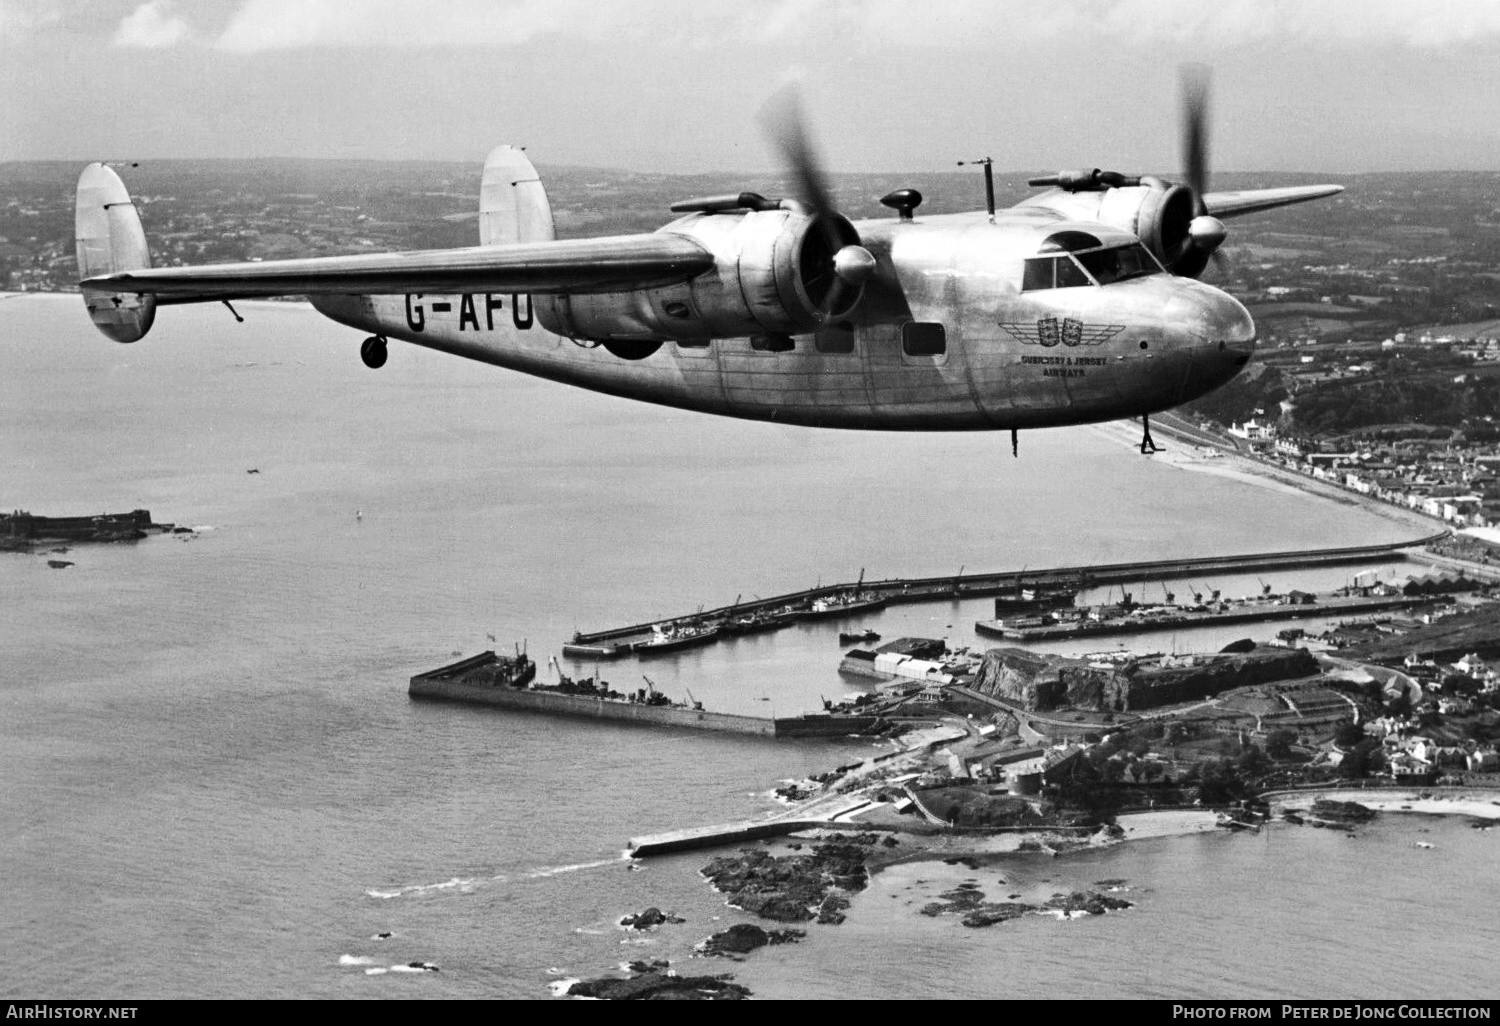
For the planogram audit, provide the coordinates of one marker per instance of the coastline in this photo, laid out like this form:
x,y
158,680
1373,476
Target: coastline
x,y
1478,802
1184,455
934,847
915,848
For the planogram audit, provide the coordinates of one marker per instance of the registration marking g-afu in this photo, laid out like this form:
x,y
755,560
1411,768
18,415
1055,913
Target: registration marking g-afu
x,y
468,311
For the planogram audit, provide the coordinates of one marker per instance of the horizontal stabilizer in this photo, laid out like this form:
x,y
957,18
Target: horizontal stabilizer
x,y
1251,201
608,264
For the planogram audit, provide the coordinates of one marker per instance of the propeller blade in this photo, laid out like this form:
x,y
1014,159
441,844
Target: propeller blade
x,y
1193,81
782,120
850,264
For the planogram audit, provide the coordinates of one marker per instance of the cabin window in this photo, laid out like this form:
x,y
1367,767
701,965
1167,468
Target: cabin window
x,y
835,338
924,338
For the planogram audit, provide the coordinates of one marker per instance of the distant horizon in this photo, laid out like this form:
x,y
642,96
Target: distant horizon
x,y
123,165
1345,86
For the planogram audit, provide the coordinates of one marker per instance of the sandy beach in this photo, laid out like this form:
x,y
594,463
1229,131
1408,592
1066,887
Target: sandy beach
x,y
1185,454
1481,803
1166,823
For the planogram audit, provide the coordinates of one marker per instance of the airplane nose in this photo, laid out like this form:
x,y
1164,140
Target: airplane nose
x,y
1213,316
1232,323
1216,329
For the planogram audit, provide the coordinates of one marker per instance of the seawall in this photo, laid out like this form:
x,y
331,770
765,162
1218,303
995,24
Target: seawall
x,y
978,585
553,703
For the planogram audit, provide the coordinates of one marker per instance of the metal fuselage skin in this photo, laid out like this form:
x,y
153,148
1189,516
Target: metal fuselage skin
x,y
1013,359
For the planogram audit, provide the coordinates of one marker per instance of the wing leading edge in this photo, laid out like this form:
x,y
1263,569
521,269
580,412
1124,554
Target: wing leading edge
x,y
573,265
1251,201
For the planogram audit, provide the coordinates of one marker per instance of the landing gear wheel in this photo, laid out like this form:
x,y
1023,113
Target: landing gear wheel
x,y
372,351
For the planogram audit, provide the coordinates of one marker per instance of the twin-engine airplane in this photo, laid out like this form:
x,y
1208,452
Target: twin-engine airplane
x,y
1077,305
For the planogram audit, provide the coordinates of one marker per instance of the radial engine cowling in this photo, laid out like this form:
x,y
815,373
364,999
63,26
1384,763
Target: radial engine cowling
x,y
1161,216
774,275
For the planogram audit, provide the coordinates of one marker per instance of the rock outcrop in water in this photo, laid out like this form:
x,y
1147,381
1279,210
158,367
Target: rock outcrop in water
x,y
968,901
1341,814
793,888
658,986
743,938
652,917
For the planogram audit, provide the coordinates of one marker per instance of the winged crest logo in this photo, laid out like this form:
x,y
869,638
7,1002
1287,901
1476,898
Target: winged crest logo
x,y
1049,331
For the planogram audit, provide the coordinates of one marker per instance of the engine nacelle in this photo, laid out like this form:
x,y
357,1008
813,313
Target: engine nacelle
x,y
1160,215
774,275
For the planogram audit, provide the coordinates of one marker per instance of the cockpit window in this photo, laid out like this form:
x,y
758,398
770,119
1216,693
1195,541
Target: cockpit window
x,y
1105,265
1058,272
1117,263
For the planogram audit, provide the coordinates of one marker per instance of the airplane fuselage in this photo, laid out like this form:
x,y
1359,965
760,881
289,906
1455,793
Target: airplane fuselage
x,y
948,337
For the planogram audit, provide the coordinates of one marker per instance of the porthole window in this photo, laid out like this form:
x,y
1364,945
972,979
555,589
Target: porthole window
x,y
774,343
924,338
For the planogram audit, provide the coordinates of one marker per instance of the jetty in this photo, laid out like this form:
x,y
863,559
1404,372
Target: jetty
x,y
1175,618
617,641
475,681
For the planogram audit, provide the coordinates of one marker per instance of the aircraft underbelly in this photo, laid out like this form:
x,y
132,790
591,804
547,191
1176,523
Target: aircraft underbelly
x,y
874,387
518,342
799,386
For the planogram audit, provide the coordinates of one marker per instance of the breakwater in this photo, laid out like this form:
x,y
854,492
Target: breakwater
x,y
447,684
979,585
1255,612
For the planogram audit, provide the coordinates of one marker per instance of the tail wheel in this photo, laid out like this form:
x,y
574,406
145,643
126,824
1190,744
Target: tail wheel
x,y
373,352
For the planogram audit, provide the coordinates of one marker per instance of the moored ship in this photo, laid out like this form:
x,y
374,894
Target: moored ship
x,y
1033,600
674,637
845,603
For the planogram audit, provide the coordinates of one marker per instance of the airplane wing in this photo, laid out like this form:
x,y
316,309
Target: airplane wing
x,y
1251,201
572,265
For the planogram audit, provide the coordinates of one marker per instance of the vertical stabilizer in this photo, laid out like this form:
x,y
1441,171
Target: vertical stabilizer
x,y
513,206
109,239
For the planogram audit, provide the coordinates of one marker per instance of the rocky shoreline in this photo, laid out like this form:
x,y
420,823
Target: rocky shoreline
x,y
815,881
798,887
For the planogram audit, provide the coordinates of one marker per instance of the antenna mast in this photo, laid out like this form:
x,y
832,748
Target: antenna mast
x,y
989,182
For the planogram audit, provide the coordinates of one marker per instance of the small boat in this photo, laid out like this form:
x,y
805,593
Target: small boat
x,y
573,650
856,637
673,638
755,623
1034,600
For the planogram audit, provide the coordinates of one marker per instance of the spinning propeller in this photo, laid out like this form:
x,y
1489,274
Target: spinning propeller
x,y
1205,233
843,265
1199,239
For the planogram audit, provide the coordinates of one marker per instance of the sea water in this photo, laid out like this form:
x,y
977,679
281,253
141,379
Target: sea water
x,y
215,784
